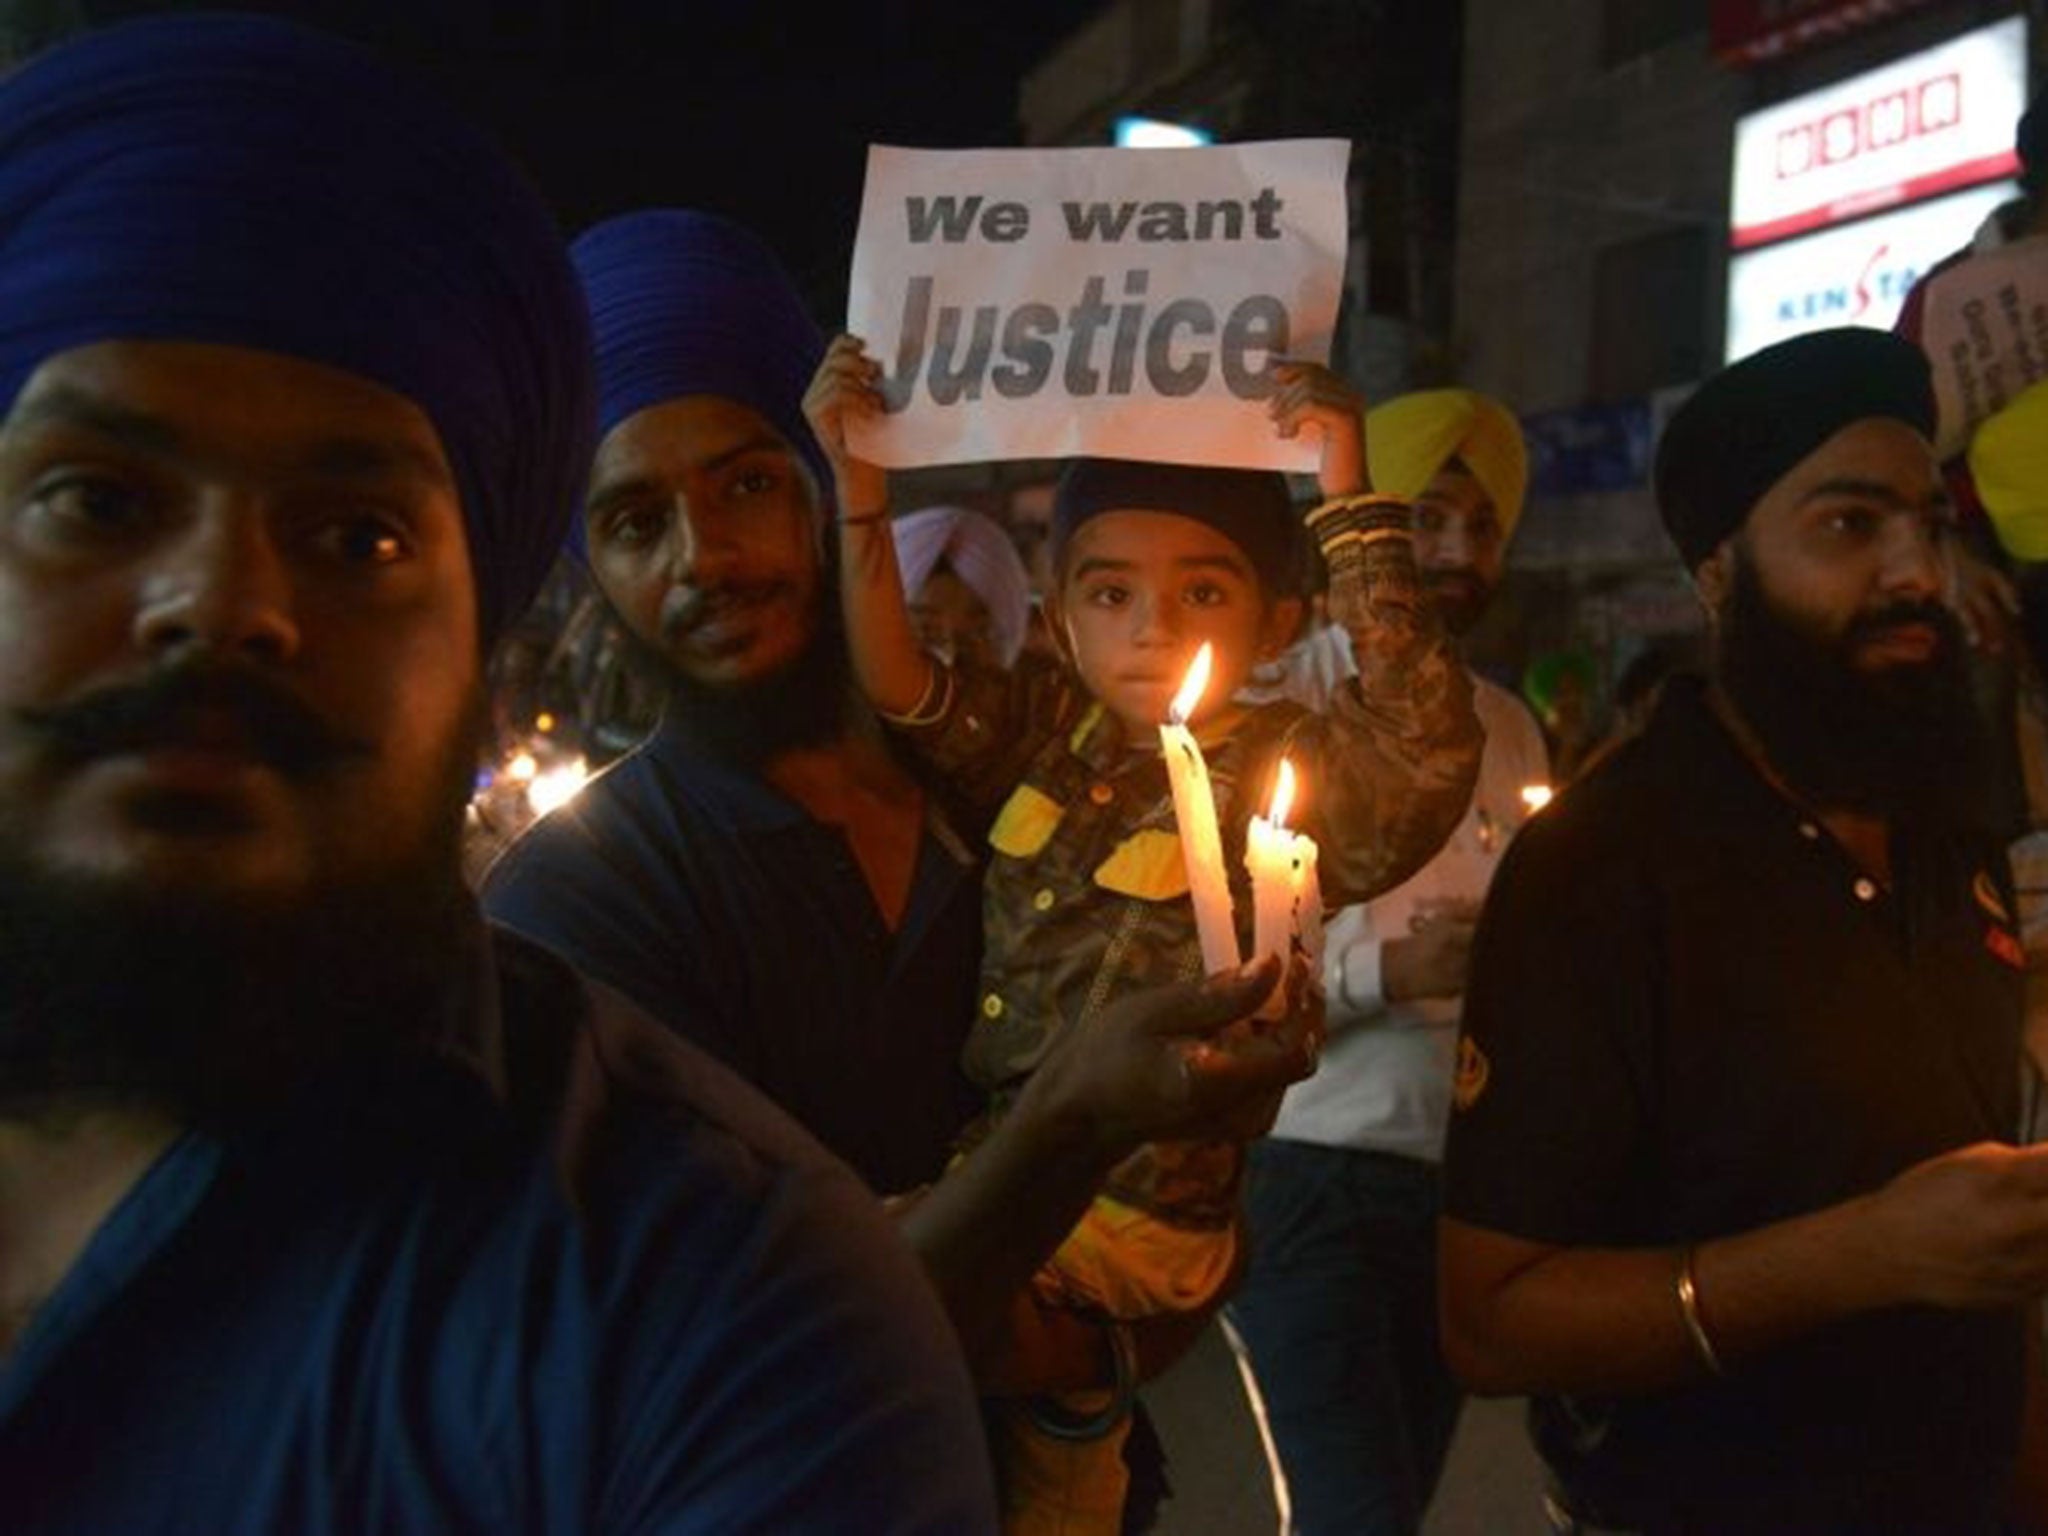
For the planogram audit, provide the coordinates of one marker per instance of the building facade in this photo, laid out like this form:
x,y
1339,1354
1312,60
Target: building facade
x,y
1596,242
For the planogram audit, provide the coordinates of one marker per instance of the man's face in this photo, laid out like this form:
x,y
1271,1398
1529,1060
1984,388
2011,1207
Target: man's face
x,y
238,635
1851,547
1139,594
704,533
1831,637
952,622
1459,545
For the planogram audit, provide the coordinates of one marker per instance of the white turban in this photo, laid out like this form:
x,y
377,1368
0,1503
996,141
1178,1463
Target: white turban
x,y
980,554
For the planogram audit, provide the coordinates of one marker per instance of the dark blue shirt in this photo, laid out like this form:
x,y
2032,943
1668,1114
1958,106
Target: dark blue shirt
x,y
727,912
559,1274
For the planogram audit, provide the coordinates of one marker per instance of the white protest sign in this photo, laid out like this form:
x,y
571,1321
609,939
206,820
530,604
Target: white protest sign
x,y
1985,330
1130,303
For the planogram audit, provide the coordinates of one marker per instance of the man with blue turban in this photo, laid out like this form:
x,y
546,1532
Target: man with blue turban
x,y
322,1207
765,876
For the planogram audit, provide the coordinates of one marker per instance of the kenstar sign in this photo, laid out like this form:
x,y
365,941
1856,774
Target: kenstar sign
x,y
1857,275
1916,128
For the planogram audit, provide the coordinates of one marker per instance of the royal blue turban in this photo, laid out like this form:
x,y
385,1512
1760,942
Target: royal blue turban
x,y
241,181
687,303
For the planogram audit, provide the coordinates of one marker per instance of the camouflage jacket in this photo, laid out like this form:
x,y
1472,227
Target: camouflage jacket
x,y
1086,897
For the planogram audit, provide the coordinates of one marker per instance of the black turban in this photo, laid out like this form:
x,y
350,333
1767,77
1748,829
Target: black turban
x,y
1249,507
1749,424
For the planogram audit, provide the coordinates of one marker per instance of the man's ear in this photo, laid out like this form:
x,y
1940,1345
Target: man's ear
x,y
1714,579
1282,624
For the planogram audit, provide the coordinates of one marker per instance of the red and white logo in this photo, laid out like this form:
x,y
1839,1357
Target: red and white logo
x,y
1920,126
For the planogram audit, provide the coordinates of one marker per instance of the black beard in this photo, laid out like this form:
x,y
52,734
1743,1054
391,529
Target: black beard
x,y
222,1011
1461,601
1904,743
803,704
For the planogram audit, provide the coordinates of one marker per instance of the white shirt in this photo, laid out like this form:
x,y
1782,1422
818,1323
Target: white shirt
x,y
1384,1083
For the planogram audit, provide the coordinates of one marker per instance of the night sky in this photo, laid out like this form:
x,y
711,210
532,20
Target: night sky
x,y
752,112
758,111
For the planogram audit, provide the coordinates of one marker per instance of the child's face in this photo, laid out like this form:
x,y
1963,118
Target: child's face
x,y
1140,591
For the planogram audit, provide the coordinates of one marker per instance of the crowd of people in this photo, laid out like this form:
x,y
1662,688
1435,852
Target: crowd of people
x,y
825,1118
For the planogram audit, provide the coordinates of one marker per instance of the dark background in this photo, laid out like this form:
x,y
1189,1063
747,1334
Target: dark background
x,y
759,111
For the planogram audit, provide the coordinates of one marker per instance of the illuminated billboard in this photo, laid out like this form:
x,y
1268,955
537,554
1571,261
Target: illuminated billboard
x,y
1856,274
1928,124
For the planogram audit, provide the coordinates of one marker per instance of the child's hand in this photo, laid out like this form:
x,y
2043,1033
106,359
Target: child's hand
x,y
1312,396
843,389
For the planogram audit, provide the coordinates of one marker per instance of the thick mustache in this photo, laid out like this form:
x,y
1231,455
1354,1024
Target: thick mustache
x,y
185,704
1935,616
688,607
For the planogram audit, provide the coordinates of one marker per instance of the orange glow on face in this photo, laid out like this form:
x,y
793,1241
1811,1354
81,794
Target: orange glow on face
x,y
1283,794
1191,687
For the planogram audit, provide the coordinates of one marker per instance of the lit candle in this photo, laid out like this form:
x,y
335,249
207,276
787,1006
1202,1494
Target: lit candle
x,y
557,786
1194,812
1287,902
1535,797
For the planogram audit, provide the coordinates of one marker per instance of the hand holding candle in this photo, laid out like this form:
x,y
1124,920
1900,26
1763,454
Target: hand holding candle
x,y
1194,811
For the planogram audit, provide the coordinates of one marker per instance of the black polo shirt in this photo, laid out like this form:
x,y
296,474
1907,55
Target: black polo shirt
x,y
1690,1015
726,911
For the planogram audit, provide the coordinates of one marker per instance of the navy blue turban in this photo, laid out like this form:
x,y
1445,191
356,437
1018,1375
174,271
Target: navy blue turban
x,y
687,303
1249,507
240,181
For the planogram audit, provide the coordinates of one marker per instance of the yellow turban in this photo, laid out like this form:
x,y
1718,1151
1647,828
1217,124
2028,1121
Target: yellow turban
x,y
1410,438
2009,462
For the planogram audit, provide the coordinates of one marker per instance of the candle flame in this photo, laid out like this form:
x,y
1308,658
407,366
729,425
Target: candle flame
x,y
557,786
1283,794
1536,796
521,768
1191,687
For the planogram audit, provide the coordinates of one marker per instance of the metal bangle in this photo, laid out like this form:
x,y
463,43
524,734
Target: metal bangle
x,y
1689,1309
932,706
1357,502
1049,1417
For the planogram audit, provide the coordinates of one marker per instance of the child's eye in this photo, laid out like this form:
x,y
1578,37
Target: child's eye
x,y
1206,594
1107,596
